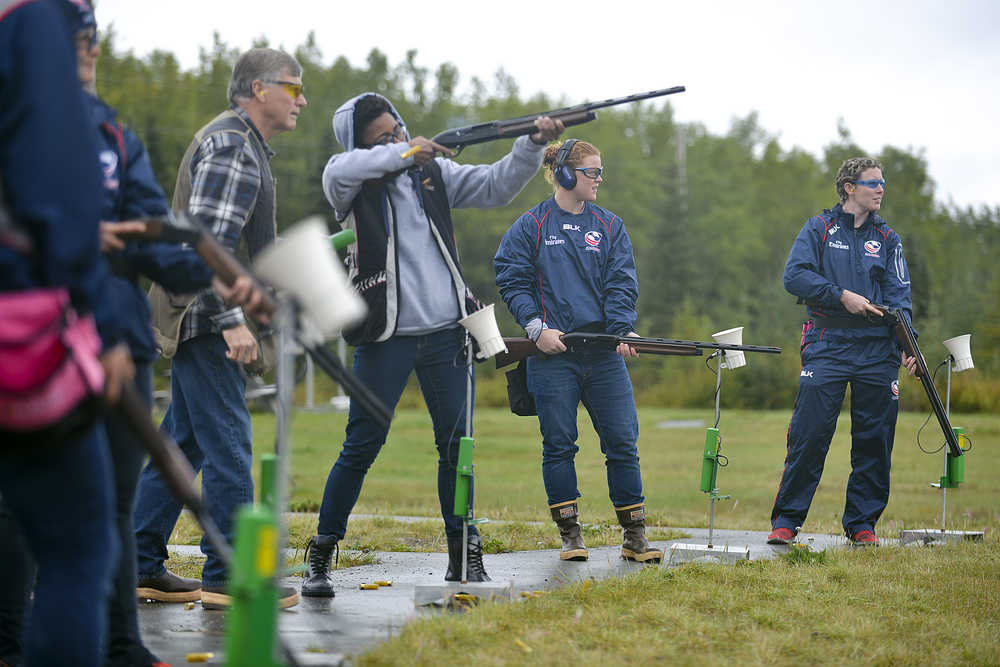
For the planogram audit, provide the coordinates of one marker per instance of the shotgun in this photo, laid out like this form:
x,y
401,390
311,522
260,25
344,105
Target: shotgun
x,y
461,137
519,348
907,340
191,231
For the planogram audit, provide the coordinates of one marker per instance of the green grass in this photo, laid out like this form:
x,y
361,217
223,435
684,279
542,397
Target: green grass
x,y
887,606
509,486
893,605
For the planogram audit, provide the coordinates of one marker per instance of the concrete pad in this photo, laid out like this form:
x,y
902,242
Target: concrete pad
x,y
930,536
679,553
439,594
328,631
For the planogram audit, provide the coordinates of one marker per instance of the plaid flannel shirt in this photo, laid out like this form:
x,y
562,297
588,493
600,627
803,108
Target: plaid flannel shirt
x,y
225,179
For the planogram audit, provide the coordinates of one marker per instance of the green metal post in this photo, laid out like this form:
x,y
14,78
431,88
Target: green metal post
x,y
463,476
342,239
710,461
955,465
268,480
252,622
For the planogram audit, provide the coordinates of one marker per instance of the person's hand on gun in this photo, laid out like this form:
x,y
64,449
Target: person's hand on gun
x,y
549,342
118,368
626,350
241,343
423,150
909,363
110,231
857,304
243,292
548,130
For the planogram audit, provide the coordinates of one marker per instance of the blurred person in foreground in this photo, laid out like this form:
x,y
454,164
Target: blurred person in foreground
x,y
58,490
225,179
843,260
405,266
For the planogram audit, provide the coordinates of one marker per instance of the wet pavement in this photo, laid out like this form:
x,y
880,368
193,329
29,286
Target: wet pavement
x,y
323,631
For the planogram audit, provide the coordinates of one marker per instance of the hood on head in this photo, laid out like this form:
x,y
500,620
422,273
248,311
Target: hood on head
x,y
79,16
343,121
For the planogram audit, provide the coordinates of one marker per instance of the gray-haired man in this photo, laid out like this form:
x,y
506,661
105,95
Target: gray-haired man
x,y
225,179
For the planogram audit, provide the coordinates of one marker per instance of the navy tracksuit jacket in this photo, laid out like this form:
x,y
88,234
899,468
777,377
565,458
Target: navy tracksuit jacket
x,y
130,191
829,255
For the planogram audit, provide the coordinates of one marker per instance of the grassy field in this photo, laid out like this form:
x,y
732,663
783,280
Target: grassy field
x,y
890,606
509,485
894,605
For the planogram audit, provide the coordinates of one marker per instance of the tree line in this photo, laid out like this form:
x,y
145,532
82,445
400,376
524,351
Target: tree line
x,y
711,216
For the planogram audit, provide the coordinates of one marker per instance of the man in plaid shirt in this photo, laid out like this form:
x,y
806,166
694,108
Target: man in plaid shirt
x,y
224,179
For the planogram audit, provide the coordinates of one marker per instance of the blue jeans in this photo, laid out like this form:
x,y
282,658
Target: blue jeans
x,y
440,362
872,369
61,496
209,420
600,380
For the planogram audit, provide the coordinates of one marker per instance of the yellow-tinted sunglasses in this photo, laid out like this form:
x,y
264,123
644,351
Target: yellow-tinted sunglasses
x,y
292,88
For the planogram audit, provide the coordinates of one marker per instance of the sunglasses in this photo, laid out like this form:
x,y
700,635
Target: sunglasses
x,y
292,88
872,183
591,172
398,133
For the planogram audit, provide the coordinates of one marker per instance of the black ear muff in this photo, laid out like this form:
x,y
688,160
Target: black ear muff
x,y
565,176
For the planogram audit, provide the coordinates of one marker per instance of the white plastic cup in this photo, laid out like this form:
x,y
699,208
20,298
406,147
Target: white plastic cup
x,y
731,358
961,352
303,264
482,325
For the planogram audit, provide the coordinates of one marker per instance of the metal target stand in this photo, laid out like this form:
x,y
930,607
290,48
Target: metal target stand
x,y
712,460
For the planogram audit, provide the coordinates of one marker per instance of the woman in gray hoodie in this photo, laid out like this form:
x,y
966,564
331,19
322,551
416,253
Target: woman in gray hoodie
x,y
397,196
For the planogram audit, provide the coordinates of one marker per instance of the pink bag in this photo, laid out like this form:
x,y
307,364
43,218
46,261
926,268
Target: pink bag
x,y
49,361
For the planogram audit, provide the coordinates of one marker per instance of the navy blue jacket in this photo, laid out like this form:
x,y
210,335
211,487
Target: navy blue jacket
x,y
130,191
48,163
575,271
829,255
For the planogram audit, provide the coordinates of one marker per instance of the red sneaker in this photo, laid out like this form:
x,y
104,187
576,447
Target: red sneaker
x,y
781,536
864,538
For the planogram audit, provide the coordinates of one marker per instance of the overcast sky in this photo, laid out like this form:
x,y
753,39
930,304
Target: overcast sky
x,y
917,74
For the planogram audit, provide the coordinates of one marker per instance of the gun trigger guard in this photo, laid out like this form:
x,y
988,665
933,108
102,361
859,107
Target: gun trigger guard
x,y
458,150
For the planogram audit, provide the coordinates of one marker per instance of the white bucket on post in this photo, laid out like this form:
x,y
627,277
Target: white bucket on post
x,y
960,351
302,263
482,325
733,358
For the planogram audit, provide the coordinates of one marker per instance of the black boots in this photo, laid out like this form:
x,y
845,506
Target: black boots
x,y
565,515
319,552
476,571
634,546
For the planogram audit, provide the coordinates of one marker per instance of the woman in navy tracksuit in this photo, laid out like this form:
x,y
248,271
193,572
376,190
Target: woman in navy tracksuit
x,y
130,192
844,260
567,266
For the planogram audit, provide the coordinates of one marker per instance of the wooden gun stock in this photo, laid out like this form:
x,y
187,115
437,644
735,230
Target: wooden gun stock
x,y
519,348
221,261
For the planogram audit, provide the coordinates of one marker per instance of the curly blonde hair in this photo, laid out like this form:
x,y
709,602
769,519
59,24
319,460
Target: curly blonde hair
x,y
580,150
851,171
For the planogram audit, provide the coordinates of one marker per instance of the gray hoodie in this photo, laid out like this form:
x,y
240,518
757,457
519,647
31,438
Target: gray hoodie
x,y
424,280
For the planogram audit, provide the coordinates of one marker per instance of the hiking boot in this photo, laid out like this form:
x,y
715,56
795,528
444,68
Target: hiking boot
x,y
216,597
864,538
476,571
635,546
168,587
565,515
781,536
319,551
